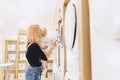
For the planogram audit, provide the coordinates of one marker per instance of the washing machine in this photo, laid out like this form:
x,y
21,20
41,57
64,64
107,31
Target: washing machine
x,y
71,41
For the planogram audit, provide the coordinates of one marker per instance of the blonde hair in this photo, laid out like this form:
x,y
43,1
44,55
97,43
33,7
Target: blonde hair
x,y
44,29
33,34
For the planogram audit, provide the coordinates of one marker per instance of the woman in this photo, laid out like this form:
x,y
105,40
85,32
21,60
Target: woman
x,y
34,53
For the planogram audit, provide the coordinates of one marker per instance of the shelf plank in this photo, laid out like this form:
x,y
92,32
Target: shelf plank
x,y
50,61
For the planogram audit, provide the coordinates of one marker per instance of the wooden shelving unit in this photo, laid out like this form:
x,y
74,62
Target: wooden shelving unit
x,y
21,59
11,56
15,52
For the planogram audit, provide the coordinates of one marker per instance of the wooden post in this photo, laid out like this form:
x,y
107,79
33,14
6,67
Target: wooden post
x,y
59,22
63,36
84,40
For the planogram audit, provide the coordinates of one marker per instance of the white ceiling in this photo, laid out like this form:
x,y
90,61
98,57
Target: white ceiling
x,y
15,14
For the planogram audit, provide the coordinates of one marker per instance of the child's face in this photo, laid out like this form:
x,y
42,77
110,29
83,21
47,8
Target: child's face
x,y
44,32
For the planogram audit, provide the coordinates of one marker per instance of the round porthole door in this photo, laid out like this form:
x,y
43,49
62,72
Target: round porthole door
x,y
70,26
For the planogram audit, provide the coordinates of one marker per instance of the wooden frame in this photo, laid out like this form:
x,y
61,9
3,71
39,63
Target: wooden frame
x,y
65,55
11,52
59,22
84,40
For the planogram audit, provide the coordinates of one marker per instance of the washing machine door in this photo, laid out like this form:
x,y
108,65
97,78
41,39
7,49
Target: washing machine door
x,y
70,25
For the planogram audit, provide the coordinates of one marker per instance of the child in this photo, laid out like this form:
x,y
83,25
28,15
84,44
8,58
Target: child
x,y
44,43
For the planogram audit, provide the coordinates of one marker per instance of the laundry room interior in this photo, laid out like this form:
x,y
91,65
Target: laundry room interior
x,y
86,35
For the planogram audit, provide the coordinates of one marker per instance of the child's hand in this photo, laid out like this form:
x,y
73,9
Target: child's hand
x,y
53,44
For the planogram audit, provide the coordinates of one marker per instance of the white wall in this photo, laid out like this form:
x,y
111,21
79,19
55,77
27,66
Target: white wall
x,y
105,35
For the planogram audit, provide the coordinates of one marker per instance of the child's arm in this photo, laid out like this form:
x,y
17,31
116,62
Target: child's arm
x,y
51,49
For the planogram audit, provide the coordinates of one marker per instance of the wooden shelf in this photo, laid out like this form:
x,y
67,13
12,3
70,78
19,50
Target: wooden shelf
x,y
12,50
9,44
21,46
47,79
22,50
10,69
50,61
11,54
21,69
49,70
21,60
